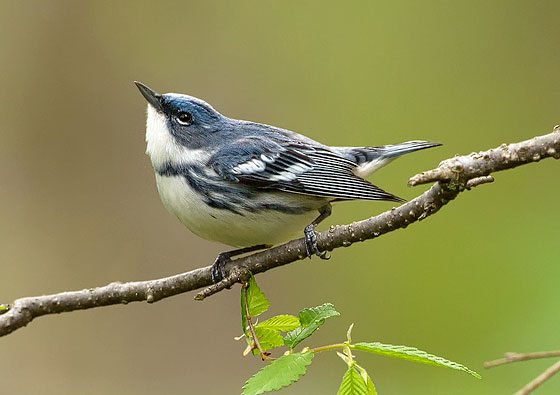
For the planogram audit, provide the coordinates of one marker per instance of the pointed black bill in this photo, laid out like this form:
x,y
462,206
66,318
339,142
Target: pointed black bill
x,y
150,95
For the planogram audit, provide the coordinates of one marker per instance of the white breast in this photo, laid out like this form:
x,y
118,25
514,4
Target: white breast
x,y
264,227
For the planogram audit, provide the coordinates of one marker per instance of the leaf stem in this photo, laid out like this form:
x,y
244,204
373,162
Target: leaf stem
x,y
264,355
329,347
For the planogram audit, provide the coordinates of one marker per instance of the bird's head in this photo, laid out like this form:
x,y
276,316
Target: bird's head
x,y
178,123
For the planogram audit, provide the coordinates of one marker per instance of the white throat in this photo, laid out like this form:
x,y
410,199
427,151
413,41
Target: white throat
x,y
162,148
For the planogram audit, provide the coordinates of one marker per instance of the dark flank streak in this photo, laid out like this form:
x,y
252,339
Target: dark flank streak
x,y
217,194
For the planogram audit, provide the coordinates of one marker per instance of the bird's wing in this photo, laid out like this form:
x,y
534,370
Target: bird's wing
x,y
293,166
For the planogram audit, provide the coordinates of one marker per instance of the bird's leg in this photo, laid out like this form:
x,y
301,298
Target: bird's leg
x,y
311,235
219,266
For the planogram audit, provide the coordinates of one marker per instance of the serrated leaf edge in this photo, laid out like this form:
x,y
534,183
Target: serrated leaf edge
x,y
299,375
406,352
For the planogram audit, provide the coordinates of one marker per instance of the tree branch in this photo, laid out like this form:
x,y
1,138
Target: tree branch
x,y
540,379
511,357
453,176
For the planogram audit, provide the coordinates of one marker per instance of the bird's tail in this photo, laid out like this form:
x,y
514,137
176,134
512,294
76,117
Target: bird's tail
x,y
396,150
369,159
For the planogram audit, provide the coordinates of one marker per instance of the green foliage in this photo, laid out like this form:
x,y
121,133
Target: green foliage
x,y
268,339
411,354
279,373
353,383
370,386
268,332
290,367
282,323
311,319
256,300
258,303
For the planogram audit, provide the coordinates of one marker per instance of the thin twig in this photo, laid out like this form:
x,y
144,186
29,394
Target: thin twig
x,y
540,379
237,274
474,182
452,174
511,357
518,357
264,355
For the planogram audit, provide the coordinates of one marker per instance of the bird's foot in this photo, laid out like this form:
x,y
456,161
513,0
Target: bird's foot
x,y
311,243
219,267
219,271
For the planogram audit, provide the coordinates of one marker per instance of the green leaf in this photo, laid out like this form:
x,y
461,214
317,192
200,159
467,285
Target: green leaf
x,y
319,313
258,303
311,319
353,383
411,354
268,339
280,373
370,386
282,323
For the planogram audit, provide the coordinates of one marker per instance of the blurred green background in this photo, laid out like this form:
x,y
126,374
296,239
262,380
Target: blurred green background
x,y
79,206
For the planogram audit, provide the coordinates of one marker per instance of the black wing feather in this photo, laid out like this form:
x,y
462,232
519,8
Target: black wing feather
x,y
296,167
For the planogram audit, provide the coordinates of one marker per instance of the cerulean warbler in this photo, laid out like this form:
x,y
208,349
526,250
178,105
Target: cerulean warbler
x,y
251,185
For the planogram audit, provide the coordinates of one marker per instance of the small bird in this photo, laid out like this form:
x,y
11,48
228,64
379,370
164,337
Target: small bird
x,y
251,185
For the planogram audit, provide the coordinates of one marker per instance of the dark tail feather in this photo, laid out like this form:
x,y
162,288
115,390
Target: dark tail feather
x,y
394,198
369,159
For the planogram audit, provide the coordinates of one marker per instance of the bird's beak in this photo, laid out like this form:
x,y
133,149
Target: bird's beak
x,y
151,96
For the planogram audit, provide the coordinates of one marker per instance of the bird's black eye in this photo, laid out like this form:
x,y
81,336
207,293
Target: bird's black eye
x,y
185,118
